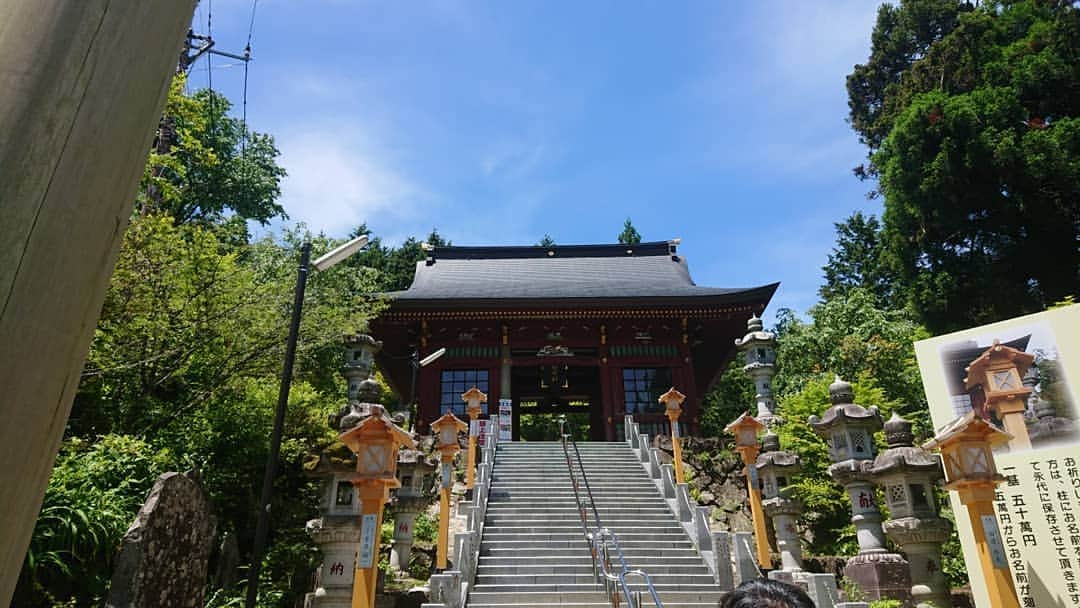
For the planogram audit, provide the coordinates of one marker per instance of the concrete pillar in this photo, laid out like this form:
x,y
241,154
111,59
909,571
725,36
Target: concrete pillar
x,y
84,84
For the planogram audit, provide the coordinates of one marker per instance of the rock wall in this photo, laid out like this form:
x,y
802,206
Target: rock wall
x,y
716,480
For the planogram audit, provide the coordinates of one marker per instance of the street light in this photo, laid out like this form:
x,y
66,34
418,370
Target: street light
x,y
472,398
262,527
375,441
672,400
966,446
746,429
447,429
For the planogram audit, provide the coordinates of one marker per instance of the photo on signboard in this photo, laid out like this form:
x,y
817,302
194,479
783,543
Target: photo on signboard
x,y
1015,372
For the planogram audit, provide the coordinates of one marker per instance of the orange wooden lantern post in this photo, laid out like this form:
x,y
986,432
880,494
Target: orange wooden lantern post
x,y
447,429
472,398
965,445
998,373
746,429
672,401
375,441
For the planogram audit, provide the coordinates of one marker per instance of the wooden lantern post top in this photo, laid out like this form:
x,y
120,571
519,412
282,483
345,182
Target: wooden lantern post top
x,y
999,371
376,441
746,429
446,427
966,445
474,397
672,401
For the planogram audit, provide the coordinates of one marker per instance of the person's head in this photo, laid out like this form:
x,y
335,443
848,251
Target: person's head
x,y
765,593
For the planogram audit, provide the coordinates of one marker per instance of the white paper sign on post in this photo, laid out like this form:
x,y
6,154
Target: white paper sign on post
x,y
368,530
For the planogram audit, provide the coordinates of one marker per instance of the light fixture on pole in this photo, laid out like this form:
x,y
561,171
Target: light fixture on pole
x,y
415,363
746,429
966,445
446,429
375,441
262,527
472,398
672,401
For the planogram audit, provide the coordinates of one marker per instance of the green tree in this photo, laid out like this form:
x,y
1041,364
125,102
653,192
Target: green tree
x,y
851,336
211,169
972,119
856,261
629,234
547,241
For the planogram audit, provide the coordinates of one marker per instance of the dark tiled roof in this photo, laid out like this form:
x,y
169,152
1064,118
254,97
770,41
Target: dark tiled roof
x,y
646,270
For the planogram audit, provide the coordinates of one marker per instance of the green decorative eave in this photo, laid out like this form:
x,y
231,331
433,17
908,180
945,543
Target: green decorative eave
x,y
472,352
665,351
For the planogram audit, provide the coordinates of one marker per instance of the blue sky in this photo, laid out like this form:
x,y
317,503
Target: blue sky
x,y
718,122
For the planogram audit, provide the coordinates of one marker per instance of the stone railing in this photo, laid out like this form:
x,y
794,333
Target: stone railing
x,y
729,555
450,588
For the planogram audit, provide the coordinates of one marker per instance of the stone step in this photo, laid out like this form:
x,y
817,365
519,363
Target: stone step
x,y
569,546
632,536
582,549
576,594
667,527
551,580
585,567
602,604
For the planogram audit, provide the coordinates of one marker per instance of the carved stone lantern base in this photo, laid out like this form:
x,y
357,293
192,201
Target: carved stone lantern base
x,y
880,576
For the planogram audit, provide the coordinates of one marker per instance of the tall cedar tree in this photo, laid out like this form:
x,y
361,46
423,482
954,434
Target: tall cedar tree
x,y
972,120
629,234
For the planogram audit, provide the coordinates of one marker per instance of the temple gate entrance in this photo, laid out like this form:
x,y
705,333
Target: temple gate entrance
x,y
545,390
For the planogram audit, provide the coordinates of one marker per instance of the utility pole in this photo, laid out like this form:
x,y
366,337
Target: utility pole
x,y
84,84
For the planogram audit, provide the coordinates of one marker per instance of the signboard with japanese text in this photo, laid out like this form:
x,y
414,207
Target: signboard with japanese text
x,y
1035,530
506,417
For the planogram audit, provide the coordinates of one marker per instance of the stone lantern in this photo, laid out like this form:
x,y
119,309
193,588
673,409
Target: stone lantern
x,y
848,428
907,475
446,429
966,446
417,476
672,401
746,429
473,399
360,352
759,350
776,469
997,374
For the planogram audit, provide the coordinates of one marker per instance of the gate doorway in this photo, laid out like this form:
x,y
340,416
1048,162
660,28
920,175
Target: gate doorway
x,y
542,393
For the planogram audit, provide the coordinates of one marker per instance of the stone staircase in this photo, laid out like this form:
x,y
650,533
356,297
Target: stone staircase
x,y
533,551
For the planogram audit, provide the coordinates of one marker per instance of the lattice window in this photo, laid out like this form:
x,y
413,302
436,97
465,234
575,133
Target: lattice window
x,y
858,440
897,495
454,382
642,386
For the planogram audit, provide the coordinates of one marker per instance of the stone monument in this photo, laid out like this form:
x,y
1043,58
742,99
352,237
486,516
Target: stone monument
x,y
163,556
759,349
848,429
907,475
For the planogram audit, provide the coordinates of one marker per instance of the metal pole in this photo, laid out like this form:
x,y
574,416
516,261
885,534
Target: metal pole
x,y
263,526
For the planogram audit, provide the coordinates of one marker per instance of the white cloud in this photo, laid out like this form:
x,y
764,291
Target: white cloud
x,y
337,180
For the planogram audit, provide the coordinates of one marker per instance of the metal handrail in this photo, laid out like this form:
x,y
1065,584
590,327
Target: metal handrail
x,y
599,537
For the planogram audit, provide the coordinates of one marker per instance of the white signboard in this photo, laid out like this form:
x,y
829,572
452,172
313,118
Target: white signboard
x,y
368,532
506,417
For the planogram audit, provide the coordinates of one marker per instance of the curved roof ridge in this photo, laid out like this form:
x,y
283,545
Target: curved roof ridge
x,y
501,252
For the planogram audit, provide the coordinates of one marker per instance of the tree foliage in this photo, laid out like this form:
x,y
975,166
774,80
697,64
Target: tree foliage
x,y
972,119
629,234
185,362
857,261
211,167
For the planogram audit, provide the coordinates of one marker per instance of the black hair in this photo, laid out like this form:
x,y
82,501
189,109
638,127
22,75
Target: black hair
x,y
766,593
